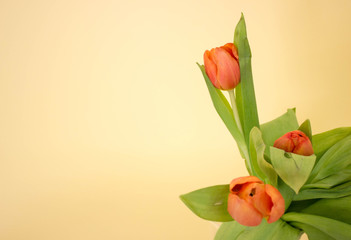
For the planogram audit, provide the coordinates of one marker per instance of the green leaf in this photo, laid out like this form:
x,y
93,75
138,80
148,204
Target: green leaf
x,y
342,176
276,128
338,209
229,231
298,206
245,92
286,191
305,127
260,166
331,175
225,112
334,160
273,231
294,169
209,203
313,233
333,228
341,190
323,141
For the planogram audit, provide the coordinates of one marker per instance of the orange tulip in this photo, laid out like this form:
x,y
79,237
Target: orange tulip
x,y
222,66
250,200
295,142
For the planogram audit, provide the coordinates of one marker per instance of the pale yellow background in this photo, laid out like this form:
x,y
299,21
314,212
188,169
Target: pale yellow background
x,y
106,119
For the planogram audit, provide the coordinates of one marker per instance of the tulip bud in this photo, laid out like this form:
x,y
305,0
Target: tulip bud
x,y
222,66
295,142
250,200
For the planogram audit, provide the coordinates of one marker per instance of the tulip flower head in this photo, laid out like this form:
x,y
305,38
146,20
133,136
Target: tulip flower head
x,y
295,142
250,200
222,66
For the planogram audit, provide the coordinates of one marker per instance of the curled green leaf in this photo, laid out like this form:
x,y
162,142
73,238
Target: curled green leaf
x,y
293,169
260,166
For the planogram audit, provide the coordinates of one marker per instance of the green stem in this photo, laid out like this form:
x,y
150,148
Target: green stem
x,y
235,110
245,151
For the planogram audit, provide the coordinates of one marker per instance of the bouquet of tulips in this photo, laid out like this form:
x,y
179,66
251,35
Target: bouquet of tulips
x,y
298,182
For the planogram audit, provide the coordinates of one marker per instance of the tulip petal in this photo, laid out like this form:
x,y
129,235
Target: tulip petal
x,y
284,143
211,68
295,142
222,66
243,212
228,70
231,49
261,200
237,183
278,207
304,147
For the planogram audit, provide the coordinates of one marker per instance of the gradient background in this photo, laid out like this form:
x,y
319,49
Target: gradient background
x,y
106,119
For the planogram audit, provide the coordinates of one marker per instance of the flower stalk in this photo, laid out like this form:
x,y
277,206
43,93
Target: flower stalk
x,y
235,110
